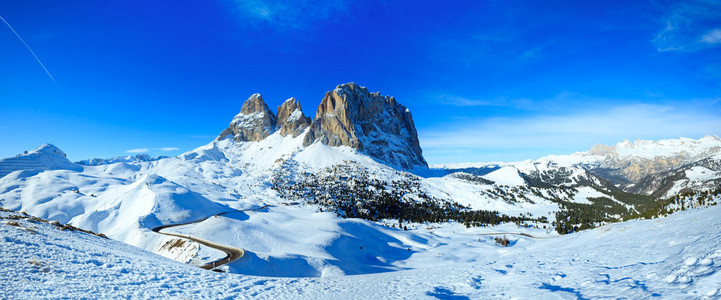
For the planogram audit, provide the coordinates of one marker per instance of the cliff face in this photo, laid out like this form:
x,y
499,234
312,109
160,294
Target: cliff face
x,y
291,120
374,124
254,122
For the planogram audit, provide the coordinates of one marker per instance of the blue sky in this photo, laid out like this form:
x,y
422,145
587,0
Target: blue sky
x,y
485,80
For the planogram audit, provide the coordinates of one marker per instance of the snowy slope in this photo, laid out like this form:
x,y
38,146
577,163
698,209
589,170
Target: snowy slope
x,y
505,176
696,178
125,200
45,157
674,258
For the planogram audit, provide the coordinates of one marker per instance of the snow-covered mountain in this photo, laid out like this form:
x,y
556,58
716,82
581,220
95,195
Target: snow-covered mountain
x,y
119,159
358,158
349,115
45,157
662,168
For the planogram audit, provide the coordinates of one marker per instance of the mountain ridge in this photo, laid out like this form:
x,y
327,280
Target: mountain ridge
x,y
349,115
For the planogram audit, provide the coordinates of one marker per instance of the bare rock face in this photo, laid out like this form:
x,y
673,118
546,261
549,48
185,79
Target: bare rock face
x,y
291,120
254,122
374,124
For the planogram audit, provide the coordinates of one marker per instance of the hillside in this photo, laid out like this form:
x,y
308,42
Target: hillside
x,y
673,257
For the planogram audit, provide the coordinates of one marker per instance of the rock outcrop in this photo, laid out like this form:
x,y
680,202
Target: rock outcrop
x,y
373,124
254,122
291,120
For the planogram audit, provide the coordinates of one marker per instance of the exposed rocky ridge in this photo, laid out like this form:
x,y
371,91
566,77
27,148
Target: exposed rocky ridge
x,y
656,168
374,124
254,122
291,120
627,162
681,180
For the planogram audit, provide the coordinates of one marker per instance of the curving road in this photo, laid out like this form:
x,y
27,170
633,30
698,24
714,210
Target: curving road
x,y
518,233
232,253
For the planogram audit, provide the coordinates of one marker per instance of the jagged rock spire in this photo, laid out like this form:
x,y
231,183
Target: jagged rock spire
x,y
254,122
291,120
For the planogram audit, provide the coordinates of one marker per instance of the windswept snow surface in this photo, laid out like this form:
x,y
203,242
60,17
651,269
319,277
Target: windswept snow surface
x,y
676,257
505,176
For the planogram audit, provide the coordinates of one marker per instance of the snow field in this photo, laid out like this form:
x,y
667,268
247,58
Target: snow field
x,y
674,257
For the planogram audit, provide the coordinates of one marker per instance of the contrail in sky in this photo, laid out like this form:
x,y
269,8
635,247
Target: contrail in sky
x,y
31,50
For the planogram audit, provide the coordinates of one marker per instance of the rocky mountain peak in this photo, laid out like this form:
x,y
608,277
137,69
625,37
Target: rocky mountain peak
x,y
254,122
349,115
291,120
374,124
603,150
254,104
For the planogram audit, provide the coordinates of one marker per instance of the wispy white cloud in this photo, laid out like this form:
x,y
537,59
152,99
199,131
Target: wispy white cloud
x,y
712,37
690,26
168,149
523,103
536,51
137,150
532,137
463,101
290,14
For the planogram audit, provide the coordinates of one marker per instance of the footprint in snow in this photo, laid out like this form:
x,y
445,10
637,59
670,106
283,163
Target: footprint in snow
x,y
694,268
